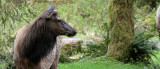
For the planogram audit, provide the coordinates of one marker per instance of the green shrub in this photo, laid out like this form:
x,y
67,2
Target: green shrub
x,y
64,59
142,48
145,19
70,49
67,49
78,48
95,49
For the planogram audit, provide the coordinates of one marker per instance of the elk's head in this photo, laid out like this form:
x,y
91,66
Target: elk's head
x,y
58,26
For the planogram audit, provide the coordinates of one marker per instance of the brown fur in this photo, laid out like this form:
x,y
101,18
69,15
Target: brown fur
x,y
50,61
37,45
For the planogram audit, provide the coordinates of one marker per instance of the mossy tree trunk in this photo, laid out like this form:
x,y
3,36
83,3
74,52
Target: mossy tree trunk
x,y
120,19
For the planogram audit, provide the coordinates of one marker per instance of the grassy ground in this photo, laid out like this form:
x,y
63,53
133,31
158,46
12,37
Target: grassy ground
x,y
110,64
104,65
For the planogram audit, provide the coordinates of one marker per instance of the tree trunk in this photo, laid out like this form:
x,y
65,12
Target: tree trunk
x,y
120,19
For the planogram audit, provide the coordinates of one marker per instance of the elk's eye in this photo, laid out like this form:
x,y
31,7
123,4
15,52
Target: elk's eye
x,y
58,20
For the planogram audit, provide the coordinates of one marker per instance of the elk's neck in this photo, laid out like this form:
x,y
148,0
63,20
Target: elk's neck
x,y
38,42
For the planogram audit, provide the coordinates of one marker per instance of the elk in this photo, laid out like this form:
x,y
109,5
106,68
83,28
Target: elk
x,y
37,45
158,20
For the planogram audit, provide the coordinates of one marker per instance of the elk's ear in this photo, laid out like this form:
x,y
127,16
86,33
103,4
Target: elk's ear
x,y
49,11
50,7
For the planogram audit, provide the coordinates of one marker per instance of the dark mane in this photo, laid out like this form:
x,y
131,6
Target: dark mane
x,y
38,41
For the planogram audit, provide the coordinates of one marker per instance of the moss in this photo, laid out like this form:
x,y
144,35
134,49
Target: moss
x,y
64,59
72,48
67,49
120,19
78,48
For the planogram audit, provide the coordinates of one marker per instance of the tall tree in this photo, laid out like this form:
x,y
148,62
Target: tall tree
x,y
120,19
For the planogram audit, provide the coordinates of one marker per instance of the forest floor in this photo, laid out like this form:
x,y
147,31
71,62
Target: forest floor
x,y
102,65
109,64
92,63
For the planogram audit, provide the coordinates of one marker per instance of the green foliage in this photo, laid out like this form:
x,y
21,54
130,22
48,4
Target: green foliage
x,y
87,17
151,3
142,48
70,49
96,49
6,55
146,20
156,60
12,14
67,50
78,48
64,59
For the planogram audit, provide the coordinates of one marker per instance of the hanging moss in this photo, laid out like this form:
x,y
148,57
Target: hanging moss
x,y
120,19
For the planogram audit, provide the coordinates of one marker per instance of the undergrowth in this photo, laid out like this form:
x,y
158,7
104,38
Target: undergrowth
x,y
142,48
